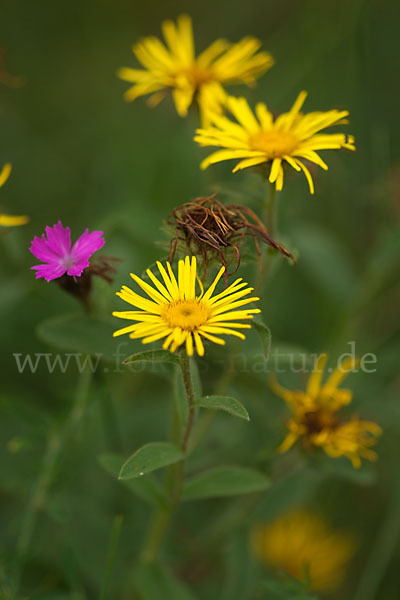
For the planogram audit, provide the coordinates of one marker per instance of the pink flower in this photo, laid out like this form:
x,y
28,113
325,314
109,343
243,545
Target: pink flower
x,y
57,255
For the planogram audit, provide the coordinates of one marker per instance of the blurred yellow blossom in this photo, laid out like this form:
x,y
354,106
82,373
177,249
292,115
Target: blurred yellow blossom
x,y
303,545
175,68
315,417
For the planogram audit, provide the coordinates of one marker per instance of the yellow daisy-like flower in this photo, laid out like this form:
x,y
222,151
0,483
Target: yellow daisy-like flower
x,y
175,68
302,544
9,220
175,313
290,138
316,421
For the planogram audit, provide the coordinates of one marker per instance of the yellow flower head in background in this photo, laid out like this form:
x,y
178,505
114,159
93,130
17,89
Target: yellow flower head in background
x,y
174,312
257,139
9,220
316,421
175,68
302,544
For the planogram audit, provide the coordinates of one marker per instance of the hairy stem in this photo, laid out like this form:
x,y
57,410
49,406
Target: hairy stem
x,y
228,374
175,476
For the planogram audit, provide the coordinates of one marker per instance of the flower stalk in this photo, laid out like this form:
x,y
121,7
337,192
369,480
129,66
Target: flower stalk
x,y
175,476
270,221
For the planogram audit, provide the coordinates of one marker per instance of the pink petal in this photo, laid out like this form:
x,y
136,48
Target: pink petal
x,y
86,245
59,239
78,267
41,249
49,272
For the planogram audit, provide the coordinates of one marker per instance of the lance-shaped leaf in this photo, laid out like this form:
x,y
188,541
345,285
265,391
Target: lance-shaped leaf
x,y
265,336
77,333
147,488
226,403
224,481
150,457
153,356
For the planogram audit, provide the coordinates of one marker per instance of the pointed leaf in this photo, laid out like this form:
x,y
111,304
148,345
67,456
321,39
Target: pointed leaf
x,y
265,336
150,457
153,356
224,481
230,405
146,488
79,333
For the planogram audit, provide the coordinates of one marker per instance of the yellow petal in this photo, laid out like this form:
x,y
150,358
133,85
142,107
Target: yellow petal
x,y
5,173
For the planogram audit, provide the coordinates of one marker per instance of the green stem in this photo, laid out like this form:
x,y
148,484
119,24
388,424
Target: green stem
x,y
112,551
269,217
175,476
187,382
269,212
55,445
207,416
227,375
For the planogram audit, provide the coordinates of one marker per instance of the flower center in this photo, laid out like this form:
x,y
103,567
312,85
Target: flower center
x,y
198,75
186,314
68,261
317,421
274,143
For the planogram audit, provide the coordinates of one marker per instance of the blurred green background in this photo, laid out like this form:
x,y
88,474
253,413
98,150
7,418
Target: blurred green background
x,y
83,155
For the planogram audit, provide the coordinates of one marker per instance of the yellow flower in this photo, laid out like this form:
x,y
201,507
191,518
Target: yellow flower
x,y
175,68
303,545
315,420
9,220
175,312
291,138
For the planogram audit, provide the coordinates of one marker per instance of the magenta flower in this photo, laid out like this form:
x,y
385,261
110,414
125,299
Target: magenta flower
x,y
57,255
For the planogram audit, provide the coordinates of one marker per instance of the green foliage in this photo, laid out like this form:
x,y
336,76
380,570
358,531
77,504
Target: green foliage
x,y
226,403
224,481
288,589
150,457
265,336
154,582
78,333
146,487
326,262
153,357
83,155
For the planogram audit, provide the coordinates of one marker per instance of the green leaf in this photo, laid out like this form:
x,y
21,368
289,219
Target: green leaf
x,y
153,356
224,481
291,489
146,488
342,468
79,333
288,588
155,582
240,568
150,457
265,336
230,405
326,261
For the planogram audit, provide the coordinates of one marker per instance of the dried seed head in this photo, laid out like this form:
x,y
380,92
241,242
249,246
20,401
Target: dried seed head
x,y
209,227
